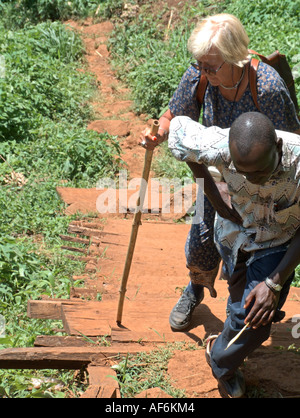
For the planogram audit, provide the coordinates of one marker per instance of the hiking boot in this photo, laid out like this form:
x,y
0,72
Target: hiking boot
x,y
181,315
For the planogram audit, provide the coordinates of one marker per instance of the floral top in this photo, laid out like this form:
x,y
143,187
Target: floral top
x,y
270,212
272,95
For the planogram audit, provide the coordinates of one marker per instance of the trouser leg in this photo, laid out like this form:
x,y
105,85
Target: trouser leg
x,y
225,363
202,257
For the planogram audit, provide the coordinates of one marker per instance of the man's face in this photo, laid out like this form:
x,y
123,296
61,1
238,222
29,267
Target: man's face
x,y
259,165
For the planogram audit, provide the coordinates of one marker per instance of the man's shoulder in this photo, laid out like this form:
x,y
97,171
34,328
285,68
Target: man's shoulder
x,y
290,139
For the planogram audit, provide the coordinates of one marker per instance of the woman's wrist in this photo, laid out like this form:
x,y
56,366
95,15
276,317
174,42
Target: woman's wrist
x,y
163,134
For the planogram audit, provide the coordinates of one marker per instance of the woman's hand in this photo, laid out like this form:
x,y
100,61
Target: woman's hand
x,y
149,141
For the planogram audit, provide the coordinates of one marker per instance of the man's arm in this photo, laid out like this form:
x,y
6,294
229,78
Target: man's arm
x,y
266,301
289,262
213,194
189,141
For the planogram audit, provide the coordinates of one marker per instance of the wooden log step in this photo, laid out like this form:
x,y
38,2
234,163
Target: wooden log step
x,y
121,335
89,232
49,308
99,318
75,239
102,383
93,225
76,341
75,249
64,357
81,258
59,357
49,358
65,341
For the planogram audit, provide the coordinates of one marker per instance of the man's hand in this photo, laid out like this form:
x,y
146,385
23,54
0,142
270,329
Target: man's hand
x,y
264,308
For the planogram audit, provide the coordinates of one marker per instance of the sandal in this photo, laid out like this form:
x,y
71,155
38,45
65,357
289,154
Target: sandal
x,y
231,388
209,342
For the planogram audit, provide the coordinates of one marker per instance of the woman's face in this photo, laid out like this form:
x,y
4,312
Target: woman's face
x,y
215,68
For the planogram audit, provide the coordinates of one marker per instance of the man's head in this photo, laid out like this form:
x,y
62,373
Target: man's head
x,y
254,147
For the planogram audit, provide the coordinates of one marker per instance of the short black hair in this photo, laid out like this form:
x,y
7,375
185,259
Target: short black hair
x,y
250,129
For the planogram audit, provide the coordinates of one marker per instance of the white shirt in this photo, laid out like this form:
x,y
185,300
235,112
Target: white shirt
x,y
270,212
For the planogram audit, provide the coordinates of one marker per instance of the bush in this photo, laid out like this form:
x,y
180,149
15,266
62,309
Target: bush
x,y
19,13
41,80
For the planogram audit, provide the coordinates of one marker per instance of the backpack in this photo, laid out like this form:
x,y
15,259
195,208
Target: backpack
x,y
279,63
276,60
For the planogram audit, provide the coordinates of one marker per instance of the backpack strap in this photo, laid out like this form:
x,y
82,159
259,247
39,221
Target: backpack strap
x,y
201,89
262,57
254,63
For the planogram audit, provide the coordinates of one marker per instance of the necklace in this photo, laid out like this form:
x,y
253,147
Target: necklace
x,y
237,84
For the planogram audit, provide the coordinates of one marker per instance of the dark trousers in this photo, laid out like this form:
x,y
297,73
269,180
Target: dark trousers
x,y
244,279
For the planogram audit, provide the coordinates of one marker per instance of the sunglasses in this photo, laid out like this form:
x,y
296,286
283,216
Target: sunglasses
x,y
208,70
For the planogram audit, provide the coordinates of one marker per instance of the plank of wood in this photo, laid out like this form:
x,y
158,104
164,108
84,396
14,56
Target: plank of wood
x,y
103,378
75,249
75,239
97,318
61,357
82,258
48,357
49,308
64,341
126,336
88,232
101,375
92,392
83,324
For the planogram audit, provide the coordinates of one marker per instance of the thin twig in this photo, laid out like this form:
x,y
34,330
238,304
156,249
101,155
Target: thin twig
x,y
13,171
237,336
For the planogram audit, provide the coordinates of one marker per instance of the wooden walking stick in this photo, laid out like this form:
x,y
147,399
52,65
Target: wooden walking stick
x,y
136,224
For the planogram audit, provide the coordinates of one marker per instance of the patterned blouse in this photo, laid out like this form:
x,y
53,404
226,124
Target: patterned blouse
x,y
272,95
270,212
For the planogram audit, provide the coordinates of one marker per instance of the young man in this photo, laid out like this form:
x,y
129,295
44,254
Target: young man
x,y
261,167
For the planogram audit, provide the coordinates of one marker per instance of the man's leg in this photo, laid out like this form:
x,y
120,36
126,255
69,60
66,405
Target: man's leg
x,y
225,363
202,260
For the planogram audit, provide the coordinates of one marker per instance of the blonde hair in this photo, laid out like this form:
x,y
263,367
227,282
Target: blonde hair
x,y
226,33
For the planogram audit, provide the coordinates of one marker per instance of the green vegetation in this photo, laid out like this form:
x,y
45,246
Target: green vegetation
x,y
149,370
44,110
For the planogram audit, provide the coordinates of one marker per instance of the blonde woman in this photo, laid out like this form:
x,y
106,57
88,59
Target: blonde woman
x,y
219,45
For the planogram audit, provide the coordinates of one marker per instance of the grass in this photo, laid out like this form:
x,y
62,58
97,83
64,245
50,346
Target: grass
x,y
138,373
45,106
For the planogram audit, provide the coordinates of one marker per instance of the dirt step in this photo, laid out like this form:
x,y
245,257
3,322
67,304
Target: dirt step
x,y
112,127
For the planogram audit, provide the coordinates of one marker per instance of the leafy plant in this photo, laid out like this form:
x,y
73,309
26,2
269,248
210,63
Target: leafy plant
x,y
44,109
19,13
